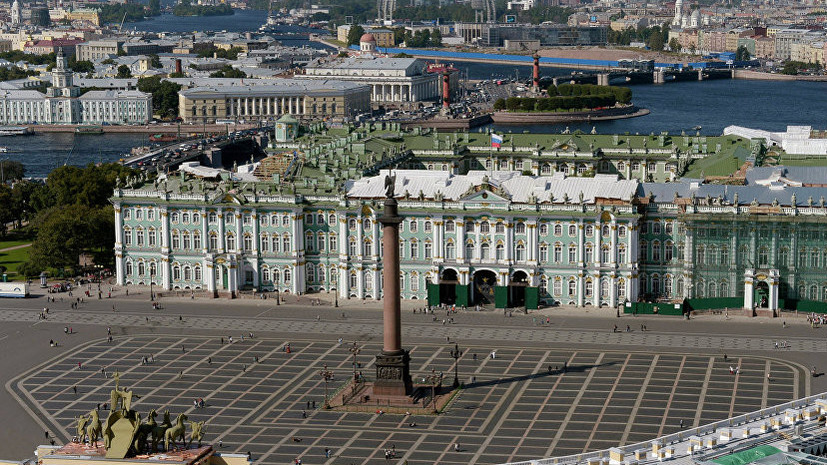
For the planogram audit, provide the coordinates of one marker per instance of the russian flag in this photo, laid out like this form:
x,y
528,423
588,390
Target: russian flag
x,y
496,140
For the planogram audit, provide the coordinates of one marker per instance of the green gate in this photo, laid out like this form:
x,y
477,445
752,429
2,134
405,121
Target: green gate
x,y
532,298
500,296
433,294
462,295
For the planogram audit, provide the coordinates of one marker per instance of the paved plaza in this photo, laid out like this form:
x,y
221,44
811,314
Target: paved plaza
x,y
619,388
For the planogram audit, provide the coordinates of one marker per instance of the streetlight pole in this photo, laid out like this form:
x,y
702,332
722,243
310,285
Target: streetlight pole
x,y
278,292
326,375
456,354
354,351
434,379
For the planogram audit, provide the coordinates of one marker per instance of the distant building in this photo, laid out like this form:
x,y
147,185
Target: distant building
x,y
298,97
494,35
43,47
15,13
96,50
63,104
393,80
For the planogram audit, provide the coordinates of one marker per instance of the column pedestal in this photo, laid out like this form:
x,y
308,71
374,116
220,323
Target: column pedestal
x,y
393,374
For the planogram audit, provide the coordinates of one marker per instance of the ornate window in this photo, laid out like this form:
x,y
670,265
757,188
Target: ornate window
x,y
414,226
589,289
621,231
449,226
784,257
500,252
414,250
656,227
309,243
450,252
428,251
276,241
187,240
763,257
265,243
724,255
589,253
668,251
485,251
557,287
572,230
485,227
248,242
320,242
469,250
196,240
589,230
500,228
604,288
621,288
139,237
572,253
469,226
519,253
285,244
519,228
572,288
176,240
700,258
428,226
621,254
352,247
667,286
141,268
331,243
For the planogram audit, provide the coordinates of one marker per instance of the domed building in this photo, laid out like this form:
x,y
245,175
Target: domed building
x,y
367,43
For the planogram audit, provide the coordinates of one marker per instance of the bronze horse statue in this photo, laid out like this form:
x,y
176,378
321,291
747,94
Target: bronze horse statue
x,y
176,432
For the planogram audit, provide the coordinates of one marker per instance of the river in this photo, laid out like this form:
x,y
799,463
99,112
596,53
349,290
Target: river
x,y
675,107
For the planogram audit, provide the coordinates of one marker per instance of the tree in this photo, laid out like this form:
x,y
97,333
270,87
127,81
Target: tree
x,y
155,61
123,72
354,34
655,41
229,72
436,38
742,54
164,95
154,7
82,66
11,171
674,45
499,105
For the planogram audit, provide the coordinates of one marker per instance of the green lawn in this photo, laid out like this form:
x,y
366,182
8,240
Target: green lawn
x,y
7,244
13,259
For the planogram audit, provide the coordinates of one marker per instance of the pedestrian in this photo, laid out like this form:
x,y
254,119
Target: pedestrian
x,y
47,435
313,404
244,368
220,444
681,424
308,405
209,360
326,453
75,389
183,349
456,447
222,340
304,413
79,366
475,357
108,330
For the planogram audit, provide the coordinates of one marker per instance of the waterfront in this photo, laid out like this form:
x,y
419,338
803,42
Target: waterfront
x,y
674,107
241,21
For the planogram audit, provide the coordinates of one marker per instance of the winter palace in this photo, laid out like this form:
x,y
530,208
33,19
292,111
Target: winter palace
x,y
545,219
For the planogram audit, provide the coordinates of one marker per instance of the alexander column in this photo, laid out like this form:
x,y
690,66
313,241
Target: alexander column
x,y
393,374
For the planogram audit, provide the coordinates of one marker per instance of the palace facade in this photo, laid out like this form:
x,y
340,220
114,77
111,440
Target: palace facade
x,y
556,219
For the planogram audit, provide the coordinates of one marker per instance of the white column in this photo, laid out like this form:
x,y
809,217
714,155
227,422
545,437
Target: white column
x,y
613,291
208,275
509,241
205,238
255,236
360,239
222,246
460,225
360,282
581,288
374,236
613,251
596,289
238,232
749,276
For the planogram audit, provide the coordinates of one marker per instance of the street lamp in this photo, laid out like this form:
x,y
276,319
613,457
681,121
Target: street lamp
x,y
434,379
326,375
354,351
278,292
456,354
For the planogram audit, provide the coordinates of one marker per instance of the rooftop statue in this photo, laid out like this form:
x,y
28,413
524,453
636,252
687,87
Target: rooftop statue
x,y
390,184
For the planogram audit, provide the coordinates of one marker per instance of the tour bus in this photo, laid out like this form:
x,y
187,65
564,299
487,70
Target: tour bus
x,y
14,290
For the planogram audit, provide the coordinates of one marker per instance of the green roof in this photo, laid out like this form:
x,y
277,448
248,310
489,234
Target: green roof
x,y
747,456
287,119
